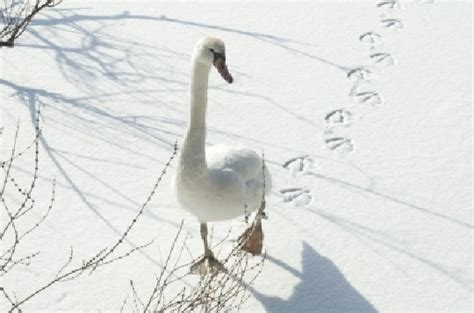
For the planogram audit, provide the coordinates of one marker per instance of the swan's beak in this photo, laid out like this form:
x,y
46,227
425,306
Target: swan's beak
x,y
221,67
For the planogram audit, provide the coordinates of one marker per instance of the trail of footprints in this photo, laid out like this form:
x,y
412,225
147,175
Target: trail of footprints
x,y
364,91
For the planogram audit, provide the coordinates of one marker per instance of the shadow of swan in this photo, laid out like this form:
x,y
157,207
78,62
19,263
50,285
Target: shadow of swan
x,y
323,288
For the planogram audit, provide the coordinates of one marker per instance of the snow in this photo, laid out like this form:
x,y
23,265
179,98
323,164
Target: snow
x,y
383,222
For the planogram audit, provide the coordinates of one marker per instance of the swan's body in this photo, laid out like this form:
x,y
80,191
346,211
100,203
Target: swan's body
x,y
231,185
221,182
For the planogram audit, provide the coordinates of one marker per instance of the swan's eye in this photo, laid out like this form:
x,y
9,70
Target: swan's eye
x,y
212,50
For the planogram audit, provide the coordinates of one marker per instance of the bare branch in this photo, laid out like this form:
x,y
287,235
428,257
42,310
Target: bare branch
x,y
16,16
15,216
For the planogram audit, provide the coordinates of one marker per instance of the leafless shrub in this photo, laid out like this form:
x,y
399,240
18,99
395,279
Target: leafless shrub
x,y
14,213
16,15
214,291
15,228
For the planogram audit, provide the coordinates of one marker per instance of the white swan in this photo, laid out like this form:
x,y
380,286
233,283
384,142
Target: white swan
x,y
221,182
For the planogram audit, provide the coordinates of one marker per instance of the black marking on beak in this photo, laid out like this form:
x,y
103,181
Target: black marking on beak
x,y
217,56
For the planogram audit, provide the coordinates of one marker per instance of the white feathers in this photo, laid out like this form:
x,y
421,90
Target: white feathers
x,y
222,182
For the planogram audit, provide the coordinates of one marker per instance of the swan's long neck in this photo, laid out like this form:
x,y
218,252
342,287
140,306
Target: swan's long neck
x,y
193,153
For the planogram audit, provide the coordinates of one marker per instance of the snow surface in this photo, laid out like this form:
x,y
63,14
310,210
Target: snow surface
x,y
372,205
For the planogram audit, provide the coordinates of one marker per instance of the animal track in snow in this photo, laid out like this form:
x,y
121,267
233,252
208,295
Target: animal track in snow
x,y
339,117
368,97
385,59
299,165
360,73
392,23
365,93
297,196
390,4
371,38
340,144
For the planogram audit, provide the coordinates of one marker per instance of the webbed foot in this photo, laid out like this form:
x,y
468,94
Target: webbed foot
x,y
207,264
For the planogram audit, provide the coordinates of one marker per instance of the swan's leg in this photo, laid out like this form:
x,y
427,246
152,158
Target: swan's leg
x,y
208,261
207,251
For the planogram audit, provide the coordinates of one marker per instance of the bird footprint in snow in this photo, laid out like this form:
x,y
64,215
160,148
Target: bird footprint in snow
x,y
385,59
360,73
341,144
365,93
299,165
368,97
371,38
390,4
297,196
392,23
339,117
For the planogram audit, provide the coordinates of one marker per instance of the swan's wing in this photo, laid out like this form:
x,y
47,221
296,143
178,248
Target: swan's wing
x,y
245,162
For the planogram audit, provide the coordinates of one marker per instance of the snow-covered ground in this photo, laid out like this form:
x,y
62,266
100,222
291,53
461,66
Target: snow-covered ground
x,y
363,111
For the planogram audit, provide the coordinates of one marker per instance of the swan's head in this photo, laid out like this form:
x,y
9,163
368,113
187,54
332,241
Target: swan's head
x,y
210,50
